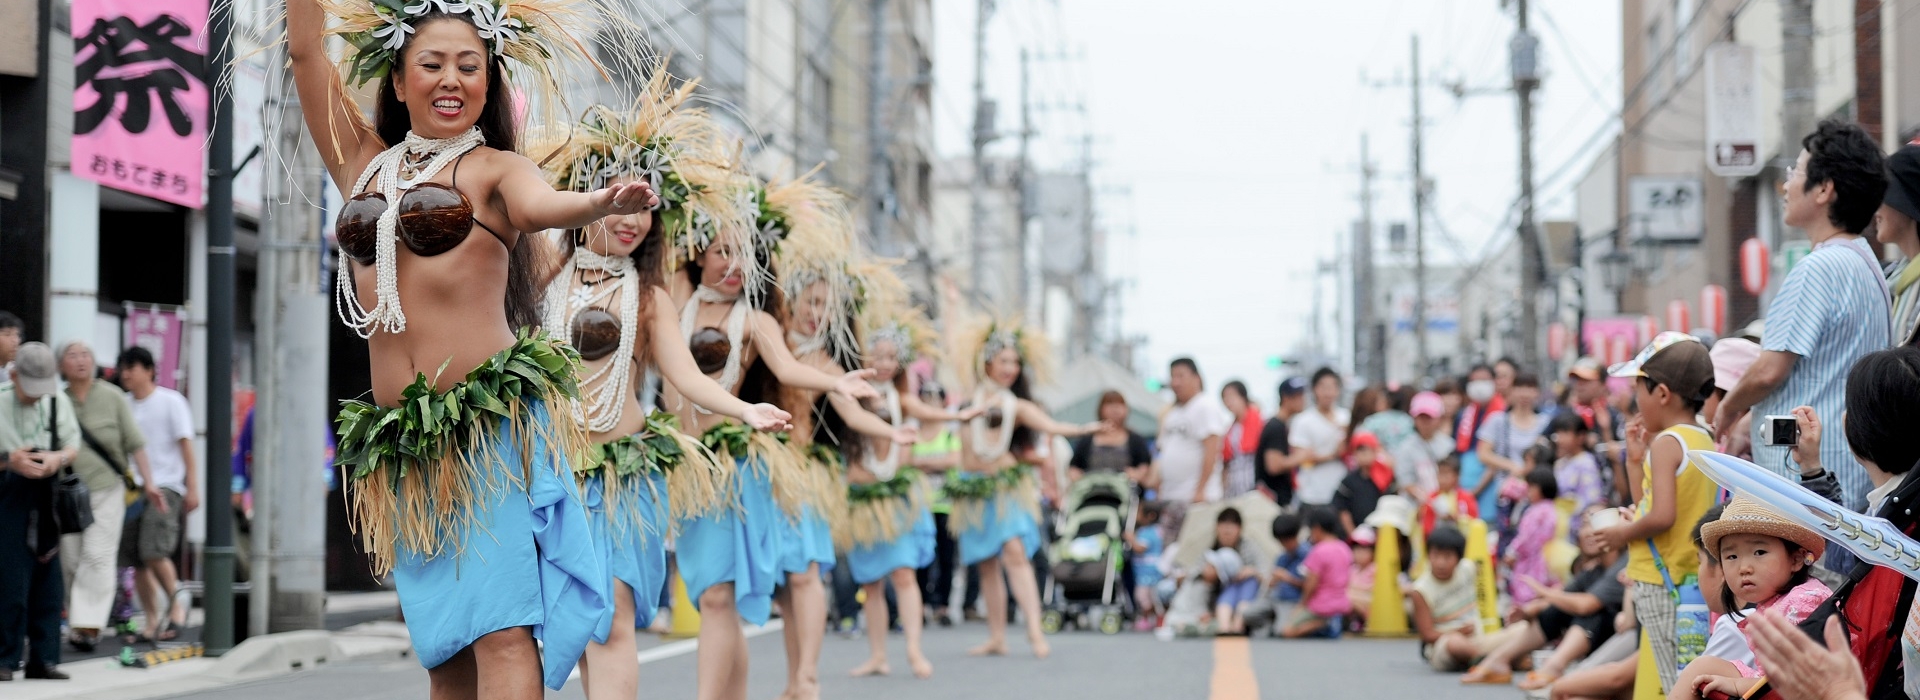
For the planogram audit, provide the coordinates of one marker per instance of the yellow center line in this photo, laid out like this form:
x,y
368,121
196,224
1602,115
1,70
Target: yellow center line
x,y
1233,670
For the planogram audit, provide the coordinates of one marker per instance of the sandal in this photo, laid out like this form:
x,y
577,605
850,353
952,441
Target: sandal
x,y
1480,676
1538,680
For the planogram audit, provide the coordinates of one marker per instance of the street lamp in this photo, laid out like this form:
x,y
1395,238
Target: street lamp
x,y
1617,267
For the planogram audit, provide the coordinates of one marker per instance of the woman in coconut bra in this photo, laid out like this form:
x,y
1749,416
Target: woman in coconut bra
x,y
996,500
457,471
608,297
731,311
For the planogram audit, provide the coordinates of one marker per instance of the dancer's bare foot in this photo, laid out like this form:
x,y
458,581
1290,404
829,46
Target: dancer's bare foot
x,y
922,668
873,667
991,648
804,692
1040,646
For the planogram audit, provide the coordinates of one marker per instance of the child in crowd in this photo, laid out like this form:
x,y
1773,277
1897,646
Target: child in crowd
x,y
1329,564
1368,478
1146,545
1449,504
1289,569
1444,599
1726,641
1230,569
1574,467
1672,378
1527,557
1360,584
1767,563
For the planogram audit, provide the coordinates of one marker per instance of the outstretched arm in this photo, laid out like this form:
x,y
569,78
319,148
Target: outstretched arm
x,y
772,345
914,407
865,423
1031,416
678,367
533,205
345,140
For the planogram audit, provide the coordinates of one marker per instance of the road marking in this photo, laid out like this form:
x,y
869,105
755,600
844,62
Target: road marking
x,y
1233,670
688,646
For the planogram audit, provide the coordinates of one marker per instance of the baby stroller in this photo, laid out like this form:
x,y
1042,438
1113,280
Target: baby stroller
x,y
1085,590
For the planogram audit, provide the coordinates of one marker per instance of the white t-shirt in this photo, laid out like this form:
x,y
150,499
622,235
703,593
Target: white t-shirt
x,y
164,419
1312,431
1183,433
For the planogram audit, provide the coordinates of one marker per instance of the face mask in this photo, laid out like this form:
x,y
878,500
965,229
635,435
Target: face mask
x,y
1480,391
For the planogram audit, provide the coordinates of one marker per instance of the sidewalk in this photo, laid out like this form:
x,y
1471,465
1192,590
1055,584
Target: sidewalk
x,y
367,631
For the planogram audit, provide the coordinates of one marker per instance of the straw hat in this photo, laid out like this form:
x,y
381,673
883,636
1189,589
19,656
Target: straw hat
x,y
1748,516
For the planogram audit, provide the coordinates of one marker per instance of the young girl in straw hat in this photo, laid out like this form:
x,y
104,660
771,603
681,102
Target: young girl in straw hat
x,y
1767,563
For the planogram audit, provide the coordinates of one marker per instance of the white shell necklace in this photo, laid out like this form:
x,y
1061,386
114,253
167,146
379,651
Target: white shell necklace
x,y
385,172
599,408
1008,403
736,330
806,345
885,469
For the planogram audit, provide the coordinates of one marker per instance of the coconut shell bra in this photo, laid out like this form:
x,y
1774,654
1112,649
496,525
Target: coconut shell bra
x,y
596,334
710,349
434,218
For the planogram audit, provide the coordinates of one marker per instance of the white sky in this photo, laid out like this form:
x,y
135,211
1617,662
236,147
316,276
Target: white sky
x,y
1227,140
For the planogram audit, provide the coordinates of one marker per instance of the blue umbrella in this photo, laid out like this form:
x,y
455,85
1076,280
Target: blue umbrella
x,y
1873,540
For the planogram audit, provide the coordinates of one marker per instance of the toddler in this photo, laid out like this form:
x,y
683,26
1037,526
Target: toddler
x,y
1527,557
1766,562
1324,589
1147,545
1449,503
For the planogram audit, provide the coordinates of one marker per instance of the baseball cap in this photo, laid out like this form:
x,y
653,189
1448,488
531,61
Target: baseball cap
x,y
1585,368
1675,359
1364,439
1293,386
1903,181
1731,358
36,373
1427,403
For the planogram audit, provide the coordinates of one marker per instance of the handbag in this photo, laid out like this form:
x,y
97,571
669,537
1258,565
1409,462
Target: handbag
x,y
1691,621
72,500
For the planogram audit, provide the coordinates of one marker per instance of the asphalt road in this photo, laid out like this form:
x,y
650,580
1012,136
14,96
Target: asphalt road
x,y
1084,666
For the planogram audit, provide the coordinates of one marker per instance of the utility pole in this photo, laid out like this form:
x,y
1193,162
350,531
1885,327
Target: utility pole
x,y
1368,358
219,631
1422,362
879,141
982,135
1525,50
1024,180
1796,82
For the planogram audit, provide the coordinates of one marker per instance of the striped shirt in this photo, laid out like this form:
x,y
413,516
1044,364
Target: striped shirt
x,y
1831,310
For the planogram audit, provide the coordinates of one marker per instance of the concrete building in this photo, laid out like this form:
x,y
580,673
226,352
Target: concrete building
x,y
951,246
1668,223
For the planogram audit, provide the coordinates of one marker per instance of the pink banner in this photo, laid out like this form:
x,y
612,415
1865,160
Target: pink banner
x,y
139,104
160,331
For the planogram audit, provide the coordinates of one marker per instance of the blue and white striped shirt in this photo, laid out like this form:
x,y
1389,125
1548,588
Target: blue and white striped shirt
x,y
1831,310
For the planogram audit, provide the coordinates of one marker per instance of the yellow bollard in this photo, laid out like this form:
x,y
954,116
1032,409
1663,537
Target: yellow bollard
x,y
1482,557
1388,614
1419,567
686,620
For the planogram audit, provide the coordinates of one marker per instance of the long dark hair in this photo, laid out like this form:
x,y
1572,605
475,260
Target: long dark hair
x,y
1023,436
649,258
830,427
502,133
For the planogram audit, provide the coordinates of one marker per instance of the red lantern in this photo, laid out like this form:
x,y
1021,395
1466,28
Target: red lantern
x,y
1556,341
1713,308
1677,316
1755,265
1648,329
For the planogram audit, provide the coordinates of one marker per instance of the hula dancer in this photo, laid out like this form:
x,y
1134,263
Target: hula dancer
x,y
890,526
732,314
642,474
996,500
458,471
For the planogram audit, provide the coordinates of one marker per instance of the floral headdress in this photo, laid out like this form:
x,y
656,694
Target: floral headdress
x,y
815,244
974,348
676,148
531,32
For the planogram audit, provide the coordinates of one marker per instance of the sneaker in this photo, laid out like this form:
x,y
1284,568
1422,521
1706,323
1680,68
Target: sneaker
x,y
848,627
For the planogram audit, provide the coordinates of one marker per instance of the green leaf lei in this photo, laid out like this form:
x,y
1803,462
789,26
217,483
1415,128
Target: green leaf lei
x,y
900,486
426,424
958,487
652,450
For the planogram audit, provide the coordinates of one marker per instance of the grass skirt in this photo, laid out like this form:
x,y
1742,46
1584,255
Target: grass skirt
x,y
462,496
738,542
890,528
990,510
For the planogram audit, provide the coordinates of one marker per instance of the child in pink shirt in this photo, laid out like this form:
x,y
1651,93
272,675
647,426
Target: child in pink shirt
x,y
1329,565
1527,556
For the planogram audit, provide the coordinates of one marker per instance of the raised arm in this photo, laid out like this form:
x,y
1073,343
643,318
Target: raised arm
x,y
345,140
772,345
677,366
530,204
1031,416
